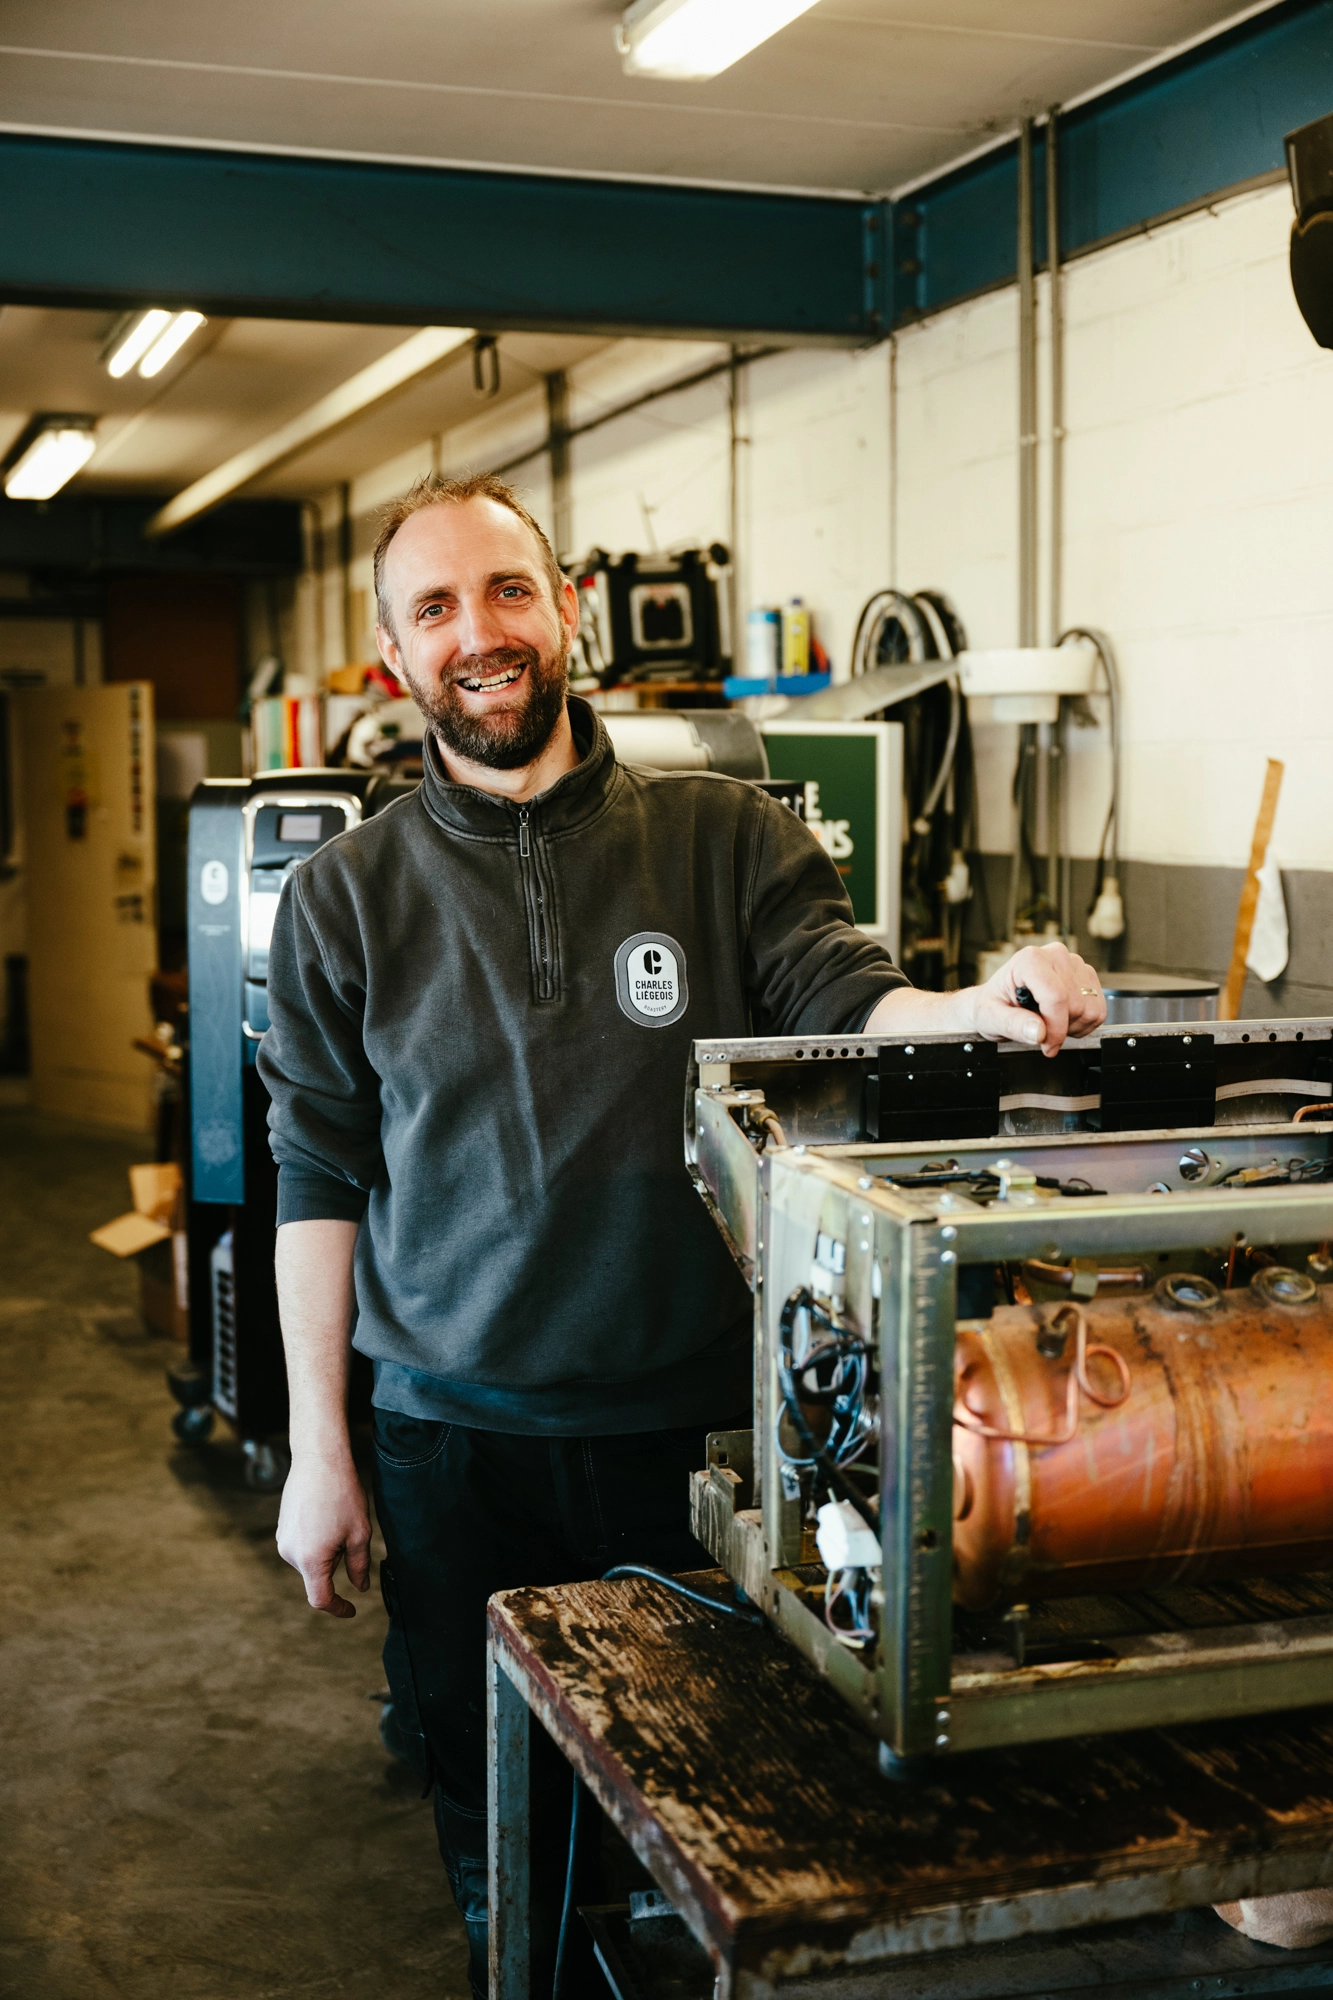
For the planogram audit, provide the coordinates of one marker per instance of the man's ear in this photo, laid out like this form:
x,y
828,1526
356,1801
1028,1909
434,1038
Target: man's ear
x,y
390,655
570,616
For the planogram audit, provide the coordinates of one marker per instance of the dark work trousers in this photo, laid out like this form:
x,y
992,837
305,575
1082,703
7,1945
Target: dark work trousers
x,y
465,1513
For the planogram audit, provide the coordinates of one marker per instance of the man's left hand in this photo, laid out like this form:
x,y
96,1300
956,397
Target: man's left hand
x,y
1067,991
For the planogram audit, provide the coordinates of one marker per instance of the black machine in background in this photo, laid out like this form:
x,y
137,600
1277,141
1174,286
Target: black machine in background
x,y
246,836
1310,169
653,617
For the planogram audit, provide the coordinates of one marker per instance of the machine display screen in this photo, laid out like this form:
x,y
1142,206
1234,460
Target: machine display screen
x,y
301,829
263,909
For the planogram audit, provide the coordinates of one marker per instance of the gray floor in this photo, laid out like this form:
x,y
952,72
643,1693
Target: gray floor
x,y
193,1801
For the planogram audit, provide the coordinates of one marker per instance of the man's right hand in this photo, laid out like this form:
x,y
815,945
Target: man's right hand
x,y
323,1521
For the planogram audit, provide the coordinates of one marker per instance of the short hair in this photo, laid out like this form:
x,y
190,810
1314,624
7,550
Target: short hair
x,y
434,490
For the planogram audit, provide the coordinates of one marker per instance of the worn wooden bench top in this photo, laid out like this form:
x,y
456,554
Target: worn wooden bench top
x,y
756,1800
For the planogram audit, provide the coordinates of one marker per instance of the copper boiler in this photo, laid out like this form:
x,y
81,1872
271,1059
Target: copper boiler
x,y
1201,1445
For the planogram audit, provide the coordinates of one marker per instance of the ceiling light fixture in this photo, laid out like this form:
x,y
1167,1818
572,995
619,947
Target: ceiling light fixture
x,y
698,38
148,340
59,448
170,342
134,340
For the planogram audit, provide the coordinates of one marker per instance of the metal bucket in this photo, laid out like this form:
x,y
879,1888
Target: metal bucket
x,y
1134,997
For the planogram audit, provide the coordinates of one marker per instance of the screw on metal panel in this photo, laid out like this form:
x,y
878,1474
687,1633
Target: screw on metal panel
x,y
865,1181
910,1050
948,1232
946,1256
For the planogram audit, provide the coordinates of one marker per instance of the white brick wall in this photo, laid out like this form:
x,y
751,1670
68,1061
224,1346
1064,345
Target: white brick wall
x,y
1198,515
1199,509
814,473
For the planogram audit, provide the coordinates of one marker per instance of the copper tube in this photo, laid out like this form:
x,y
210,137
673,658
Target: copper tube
x,y
1218,1463
1123,1277
1312,1111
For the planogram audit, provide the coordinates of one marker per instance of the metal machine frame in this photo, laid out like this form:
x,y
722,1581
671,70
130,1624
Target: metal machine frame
x,y
776,1151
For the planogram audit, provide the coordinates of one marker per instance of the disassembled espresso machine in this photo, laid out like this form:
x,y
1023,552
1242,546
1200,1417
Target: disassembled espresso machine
x,y
1043,1436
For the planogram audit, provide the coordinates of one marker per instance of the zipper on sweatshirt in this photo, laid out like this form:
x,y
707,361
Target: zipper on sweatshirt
x,y
537,902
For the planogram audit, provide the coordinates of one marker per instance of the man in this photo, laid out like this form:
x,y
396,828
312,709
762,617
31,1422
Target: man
x,y
476,1114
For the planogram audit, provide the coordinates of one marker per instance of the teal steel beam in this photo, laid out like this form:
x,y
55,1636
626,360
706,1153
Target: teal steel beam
x,y
1174,138
118,225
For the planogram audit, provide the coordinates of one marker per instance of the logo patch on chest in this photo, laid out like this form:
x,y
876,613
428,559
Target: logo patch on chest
x,y
650,979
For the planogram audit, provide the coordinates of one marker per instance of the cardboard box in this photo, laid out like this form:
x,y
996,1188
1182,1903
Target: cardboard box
x,y
153,1233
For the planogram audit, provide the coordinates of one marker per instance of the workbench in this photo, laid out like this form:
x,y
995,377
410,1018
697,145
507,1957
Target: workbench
x,y
755,1801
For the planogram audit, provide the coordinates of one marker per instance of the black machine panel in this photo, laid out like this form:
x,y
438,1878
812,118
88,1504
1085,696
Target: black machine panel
x,y
934,1090
245,839
652,617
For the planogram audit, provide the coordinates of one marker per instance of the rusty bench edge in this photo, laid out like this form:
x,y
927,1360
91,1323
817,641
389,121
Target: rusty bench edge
x,y
786,1938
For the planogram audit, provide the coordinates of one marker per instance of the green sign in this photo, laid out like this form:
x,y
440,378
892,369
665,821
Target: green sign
x,y
852,773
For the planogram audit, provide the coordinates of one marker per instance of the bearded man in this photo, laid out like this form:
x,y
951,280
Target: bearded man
x,y
476,1116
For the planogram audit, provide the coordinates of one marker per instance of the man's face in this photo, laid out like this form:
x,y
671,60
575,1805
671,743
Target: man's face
x,y
477,637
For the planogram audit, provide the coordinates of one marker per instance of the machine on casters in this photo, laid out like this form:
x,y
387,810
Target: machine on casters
x,y
246,837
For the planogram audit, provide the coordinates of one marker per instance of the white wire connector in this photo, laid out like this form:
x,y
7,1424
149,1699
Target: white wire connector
x,y
957,884
1107,916
843,1539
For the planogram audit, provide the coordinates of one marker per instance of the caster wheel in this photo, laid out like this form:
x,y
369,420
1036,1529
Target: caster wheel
x,y
189,1387
193,1425
266,1466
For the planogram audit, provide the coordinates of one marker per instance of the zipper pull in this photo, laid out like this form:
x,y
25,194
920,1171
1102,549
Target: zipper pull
x,y
523,847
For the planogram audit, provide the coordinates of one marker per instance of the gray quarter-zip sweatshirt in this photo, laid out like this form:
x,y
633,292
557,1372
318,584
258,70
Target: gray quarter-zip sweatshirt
x,y
481,1020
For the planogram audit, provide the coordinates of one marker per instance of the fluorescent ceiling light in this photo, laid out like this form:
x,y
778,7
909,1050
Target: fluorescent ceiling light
x,y
149,340
136,340
170,342
60,448
697,38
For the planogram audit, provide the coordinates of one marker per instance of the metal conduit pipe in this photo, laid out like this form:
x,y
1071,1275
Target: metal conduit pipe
x,y
1057,375
1027,398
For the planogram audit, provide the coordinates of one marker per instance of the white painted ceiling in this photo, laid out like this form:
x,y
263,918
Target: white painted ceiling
x,y
235,382
857,94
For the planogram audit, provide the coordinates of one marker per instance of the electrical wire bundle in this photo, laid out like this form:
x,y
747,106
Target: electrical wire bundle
x,y
828,1380
897,628
1040,889
830,1376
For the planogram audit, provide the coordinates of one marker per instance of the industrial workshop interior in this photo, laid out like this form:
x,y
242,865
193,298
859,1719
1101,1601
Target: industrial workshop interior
x,y
666,1038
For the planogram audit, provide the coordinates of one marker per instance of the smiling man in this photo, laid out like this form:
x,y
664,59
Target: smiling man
x,y
482,1007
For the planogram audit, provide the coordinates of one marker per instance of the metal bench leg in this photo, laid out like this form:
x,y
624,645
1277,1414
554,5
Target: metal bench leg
x,y
508,1728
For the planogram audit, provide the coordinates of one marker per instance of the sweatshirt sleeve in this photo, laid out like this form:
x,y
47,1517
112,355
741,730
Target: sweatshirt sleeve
x,y
324,1118
808,969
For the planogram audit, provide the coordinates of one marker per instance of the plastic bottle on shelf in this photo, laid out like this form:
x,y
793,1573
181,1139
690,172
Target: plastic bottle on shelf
x,y
795,638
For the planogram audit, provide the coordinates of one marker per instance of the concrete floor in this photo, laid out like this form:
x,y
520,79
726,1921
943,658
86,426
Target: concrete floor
x,y
193,1799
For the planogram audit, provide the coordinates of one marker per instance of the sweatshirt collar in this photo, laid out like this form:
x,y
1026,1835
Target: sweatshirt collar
x,y
574,797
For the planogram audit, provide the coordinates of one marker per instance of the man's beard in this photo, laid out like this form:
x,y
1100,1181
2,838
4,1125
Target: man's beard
x,y
504,738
